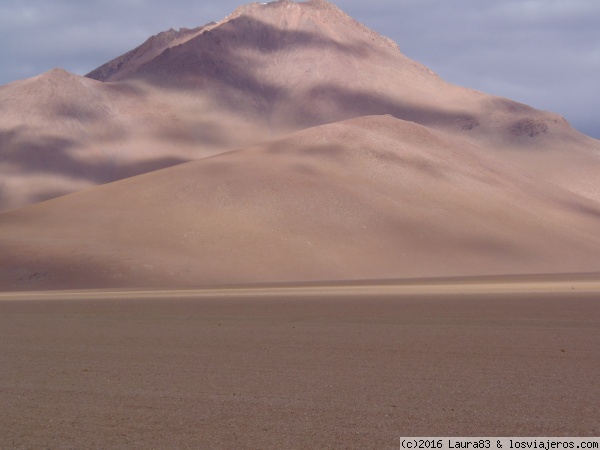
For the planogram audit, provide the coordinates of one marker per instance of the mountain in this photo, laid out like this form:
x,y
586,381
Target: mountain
x,y
295,144
264,71
373,197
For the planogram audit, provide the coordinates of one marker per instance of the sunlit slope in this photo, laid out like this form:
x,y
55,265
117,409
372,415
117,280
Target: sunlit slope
x,y
375,197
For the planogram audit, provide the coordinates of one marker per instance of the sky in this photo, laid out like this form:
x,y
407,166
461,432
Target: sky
x,y
545,53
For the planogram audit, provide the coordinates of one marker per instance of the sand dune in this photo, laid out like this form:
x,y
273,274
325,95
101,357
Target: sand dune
x,y
374,197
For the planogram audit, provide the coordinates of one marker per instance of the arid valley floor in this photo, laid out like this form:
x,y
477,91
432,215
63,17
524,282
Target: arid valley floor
x,y
313,366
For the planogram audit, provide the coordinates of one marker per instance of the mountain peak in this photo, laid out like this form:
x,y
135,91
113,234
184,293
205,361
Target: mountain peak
x,y
127,63
288,4
57,73
281,25
320,12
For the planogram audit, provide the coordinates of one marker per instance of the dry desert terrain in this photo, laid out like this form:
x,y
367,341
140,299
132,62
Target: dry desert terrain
x,y
312,366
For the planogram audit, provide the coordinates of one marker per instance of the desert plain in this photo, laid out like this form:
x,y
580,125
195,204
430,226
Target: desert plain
x,y
346,365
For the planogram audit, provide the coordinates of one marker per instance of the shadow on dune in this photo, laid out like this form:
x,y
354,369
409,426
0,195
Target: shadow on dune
x,y
60,272
345,103
588,208
197,132
57,156
83,112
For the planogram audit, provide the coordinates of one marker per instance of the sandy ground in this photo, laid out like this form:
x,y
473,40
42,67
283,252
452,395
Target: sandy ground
x,y
316,369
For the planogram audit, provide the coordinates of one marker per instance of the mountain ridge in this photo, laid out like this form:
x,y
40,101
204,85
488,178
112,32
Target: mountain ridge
x,y
181,92
152,46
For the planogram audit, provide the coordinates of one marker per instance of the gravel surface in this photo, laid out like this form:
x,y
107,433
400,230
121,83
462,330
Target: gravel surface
x,y
312,371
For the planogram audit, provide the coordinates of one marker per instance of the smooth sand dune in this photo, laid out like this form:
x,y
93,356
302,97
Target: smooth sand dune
x,y
375,197
315,370
193,306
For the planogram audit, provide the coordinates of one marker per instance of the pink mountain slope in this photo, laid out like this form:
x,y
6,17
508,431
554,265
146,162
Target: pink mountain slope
x,y
262,72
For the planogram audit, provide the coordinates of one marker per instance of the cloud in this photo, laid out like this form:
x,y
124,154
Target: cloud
x,y
545,53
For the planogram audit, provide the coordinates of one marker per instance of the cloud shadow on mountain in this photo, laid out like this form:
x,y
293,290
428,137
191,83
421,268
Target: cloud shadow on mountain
x,y
225,64
57,157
